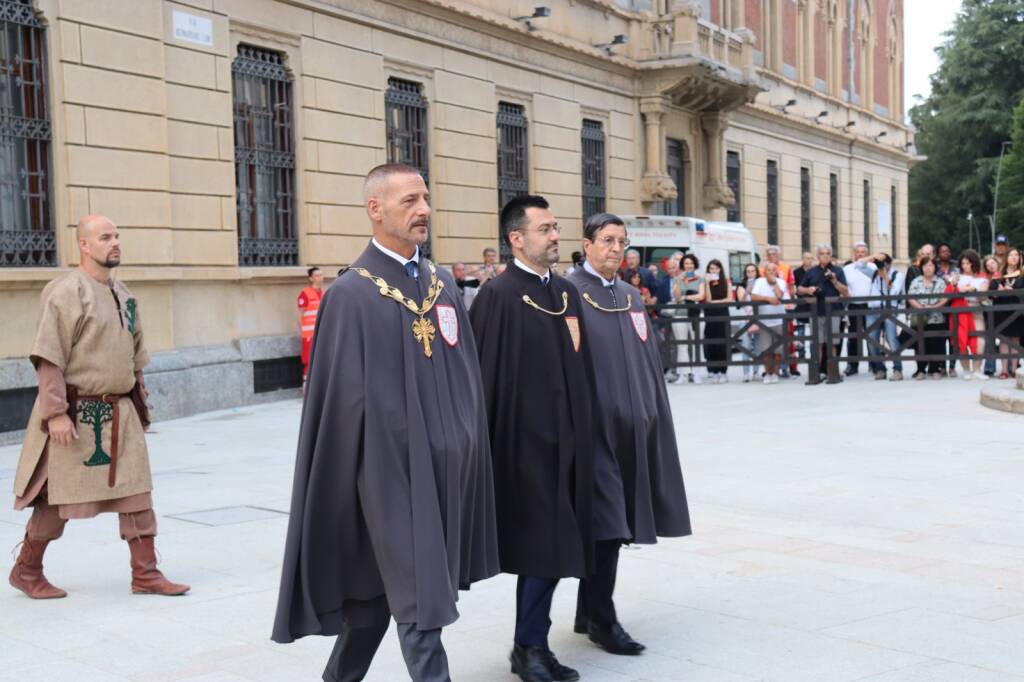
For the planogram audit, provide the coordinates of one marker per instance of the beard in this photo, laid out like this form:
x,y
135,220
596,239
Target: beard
x,y
112,260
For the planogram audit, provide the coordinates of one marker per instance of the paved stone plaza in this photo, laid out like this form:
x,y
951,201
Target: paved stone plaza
x,y
865,531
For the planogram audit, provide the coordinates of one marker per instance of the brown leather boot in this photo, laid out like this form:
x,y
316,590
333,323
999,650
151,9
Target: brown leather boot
x,y
27,574
146,578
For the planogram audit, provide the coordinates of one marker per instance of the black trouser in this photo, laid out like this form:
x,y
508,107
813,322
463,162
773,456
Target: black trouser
x,y
853,344
594,601
422,650
934,346
533,610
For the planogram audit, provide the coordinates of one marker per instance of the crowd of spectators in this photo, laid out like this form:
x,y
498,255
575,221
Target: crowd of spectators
x,y
860,300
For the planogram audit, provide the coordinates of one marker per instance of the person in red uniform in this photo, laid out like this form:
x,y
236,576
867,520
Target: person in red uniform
x,y
309,304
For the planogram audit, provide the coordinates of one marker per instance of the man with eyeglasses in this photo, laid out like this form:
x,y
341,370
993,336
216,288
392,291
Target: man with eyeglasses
x,y
85,449
638,486
537,389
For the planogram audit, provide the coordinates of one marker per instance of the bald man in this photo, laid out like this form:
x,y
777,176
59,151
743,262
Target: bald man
x,y
85,450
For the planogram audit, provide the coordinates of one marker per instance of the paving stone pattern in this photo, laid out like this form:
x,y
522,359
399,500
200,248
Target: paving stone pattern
x,y
865,531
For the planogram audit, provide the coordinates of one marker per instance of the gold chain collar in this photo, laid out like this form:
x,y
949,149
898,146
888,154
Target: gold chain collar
x,y
629,304
423,330
565,305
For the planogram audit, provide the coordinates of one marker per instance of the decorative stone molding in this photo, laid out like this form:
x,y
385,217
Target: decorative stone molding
x,y
689,8
657,187
746,35
717,194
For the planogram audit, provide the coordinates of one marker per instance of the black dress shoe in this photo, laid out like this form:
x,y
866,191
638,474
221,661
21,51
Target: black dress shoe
x,y
615,640
580,626
850,371
530,663
559,672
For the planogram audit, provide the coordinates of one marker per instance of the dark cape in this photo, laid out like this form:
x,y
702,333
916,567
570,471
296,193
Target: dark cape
x,y
632,413
392,500
536,384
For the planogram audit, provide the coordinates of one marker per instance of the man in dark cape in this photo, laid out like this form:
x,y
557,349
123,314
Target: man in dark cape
x,y
392,506
636,463
537,386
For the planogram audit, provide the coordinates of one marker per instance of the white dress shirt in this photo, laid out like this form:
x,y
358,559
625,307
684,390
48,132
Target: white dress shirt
x,y
399,257
543,278
607,283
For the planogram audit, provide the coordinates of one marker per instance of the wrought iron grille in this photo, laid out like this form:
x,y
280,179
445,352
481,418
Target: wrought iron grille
x,y
592,138
805,209
732,178
833,209
406,113
513,160
773,202
264,158
867,213
675,165
27,235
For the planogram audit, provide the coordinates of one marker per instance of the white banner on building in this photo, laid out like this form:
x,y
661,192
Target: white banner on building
x,y
884,222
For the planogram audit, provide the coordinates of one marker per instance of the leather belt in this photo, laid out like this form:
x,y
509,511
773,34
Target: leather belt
x,y
114,400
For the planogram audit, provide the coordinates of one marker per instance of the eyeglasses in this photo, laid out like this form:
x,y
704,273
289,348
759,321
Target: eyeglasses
x,y
609,242
546,230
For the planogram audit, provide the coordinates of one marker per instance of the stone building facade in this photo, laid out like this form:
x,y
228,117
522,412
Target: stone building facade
x,y
228,138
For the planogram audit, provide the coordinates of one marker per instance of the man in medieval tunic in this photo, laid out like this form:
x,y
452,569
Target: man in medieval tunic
x,y
636,463
537,385
85,450
392,502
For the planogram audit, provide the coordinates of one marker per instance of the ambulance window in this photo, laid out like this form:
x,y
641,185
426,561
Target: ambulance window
x,y
736,263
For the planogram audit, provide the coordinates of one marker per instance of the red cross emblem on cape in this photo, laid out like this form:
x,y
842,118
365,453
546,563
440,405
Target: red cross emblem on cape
x,y
573,324
448,323
639,324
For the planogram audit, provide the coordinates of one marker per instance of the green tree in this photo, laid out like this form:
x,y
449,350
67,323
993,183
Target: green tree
x,y
964,121
1011,183
96,413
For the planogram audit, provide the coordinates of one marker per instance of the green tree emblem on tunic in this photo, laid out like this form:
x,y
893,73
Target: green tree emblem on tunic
x,y
131,312
96,413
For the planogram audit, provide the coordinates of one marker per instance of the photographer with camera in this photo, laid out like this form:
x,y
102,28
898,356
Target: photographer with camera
x,y
822,282
885,282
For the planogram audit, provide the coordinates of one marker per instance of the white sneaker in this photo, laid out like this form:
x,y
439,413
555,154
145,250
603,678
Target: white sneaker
x,y
981,376
746,379
767,379
680,379
775,378
724,379
696,379
966,376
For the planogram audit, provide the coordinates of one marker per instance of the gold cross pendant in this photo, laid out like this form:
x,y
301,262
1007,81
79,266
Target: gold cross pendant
x,y
423,331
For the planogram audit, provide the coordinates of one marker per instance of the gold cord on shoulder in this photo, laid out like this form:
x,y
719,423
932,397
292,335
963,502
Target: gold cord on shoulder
x,y
422,329
565,305
629,304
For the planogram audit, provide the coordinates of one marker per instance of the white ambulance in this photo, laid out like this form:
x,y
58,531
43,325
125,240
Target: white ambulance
x,y
657,237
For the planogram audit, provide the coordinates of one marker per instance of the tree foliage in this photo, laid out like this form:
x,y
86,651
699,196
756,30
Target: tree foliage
x,y
964,121
1011,183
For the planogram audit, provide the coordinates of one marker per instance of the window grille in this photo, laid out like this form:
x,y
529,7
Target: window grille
x,y
592,138
27,236
406,113
264,159
513,159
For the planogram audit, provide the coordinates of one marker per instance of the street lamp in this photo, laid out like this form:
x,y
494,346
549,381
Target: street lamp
x,y
995,201
617,39
538,13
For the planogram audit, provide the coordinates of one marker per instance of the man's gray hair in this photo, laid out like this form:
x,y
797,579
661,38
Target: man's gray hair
x,y
771,248
824,247
376,178
857,245
629,251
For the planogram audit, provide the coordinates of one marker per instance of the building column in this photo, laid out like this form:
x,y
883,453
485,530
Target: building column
x,y
717,194
656,186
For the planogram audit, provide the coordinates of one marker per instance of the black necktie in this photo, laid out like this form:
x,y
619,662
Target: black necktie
x,y
410,268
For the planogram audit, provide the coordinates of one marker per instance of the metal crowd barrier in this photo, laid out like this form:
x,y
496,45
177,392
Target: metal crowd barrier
x,y
797,340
